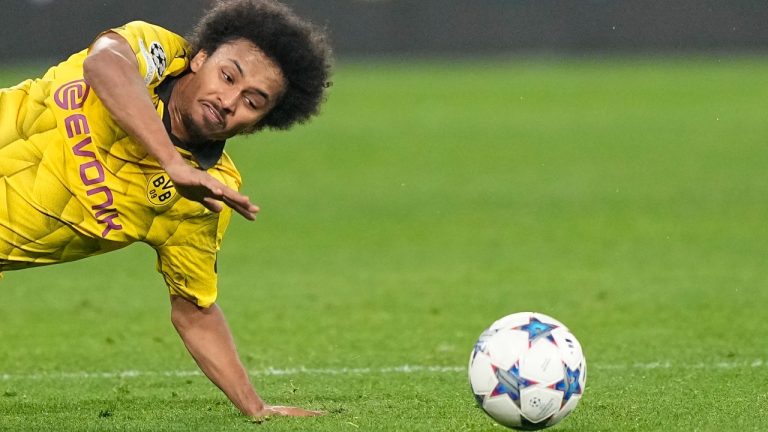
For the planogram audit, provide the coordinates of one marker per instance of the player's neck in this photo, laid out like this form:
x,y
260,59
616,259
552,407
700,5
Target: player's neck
x,y
177,123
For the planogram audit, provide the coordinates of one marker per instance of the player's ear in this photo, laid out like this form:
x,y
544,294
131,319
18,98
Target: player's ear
x,y
198,60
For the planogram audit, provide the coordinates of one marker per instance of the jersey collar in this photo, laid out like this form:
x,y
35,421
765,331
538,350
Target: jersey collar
x,y
207,153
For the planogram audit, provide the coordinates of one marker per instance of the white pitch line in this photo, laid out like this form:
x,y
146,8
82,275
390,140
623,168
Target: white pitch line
x,y
744,364
262,372
404,369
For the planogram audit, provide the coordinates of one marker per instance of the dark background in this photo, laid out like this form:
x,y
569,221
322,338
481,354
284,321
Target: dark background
x,y
49,29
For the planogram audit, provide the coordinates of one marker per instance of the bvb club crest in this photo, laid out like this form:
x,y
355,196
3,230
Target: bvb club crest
x,y
160,190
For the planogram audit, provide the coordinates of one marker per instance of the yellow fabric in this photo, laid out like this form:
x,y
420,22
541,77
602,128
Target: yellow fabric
x,y
73,184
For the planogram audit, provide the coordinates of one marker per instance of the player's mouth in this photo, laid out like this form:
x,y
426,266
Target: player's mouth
x,y
213,115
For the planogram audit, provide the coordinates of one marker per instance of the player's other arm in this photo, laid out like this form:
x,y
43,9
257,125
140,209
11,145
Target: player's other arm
x,y
207,337
112,70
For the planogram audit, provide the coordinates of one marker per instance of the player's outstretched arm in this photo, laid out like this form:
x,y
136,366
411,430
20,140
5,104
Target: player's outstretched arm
x,y
112,70
207,337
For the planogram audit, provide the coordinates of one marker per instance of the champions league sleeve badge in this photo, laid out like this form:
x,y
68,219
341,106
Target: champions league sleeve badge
x,y
157,53
155,59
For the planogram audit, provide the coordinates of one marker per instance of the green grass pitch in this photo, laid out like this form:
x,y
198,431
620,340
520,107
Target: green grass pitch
x,y
626,198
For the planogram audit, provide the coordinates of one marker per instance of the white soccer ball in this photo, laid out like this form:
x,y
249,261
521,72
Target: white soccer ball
x,y
527,371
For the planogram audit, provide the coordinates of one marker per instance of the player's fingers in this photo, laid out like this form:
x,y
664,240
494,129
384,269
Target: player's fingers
x,y
248,212
225,193
212,204
233,196
234,199
239,202
216,188
295,411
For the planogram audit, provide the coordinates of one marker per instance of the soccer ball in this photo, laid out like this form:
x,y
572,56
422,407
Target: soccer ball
x,y
527,371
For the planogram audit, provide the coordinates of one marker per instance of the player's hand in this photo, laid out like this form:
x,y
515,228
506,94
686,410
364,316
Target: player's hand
x,y
197,185
288,411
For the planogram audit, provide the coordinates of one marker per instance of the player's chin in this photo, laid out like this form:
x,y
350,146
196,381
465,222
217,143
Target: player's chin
x,y
220,135
214,131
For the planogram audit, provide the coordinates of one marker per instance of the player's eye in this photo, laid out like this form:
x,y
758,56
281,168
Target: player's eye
x,y
255,101
226,77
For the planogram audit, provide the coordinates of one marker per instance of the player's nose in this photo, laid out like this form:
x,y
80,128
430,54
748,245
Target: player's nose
x,y
229,101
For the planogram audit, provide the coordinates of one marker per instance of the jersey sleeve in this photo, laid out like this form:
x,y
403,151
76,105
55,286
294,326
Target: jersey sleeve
x,y
187,260
160,52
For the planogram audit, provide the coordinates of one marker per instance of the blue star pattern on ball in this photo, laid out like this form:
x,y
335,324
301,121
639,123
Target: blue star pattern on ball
x,y
481,341
510,383
537,330
569,385
479,347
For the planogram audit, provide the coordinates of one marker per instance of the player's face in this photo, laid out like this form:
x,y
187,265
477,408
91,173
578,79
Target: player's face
x,y
229,91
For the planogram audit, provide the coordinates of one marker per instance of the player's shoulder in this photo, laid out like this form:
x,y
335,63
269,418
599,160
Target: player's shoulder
x,y
159,51
151,37
144,29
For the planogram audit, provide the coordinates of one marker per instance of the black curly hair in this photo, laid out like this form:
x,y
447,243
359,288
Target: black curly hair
x,y
298,47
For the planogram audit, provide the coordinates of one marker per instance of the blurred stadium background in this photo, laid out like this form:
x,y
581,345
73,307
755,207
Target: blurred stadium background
x,y
34,29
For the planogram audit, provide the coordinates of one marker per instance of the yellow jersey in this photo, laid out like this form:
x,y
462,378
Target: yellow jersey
x,y
73,184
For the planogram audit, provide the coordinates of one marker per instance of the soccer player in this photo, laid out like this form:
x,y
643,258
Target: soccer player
x,y
123,142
